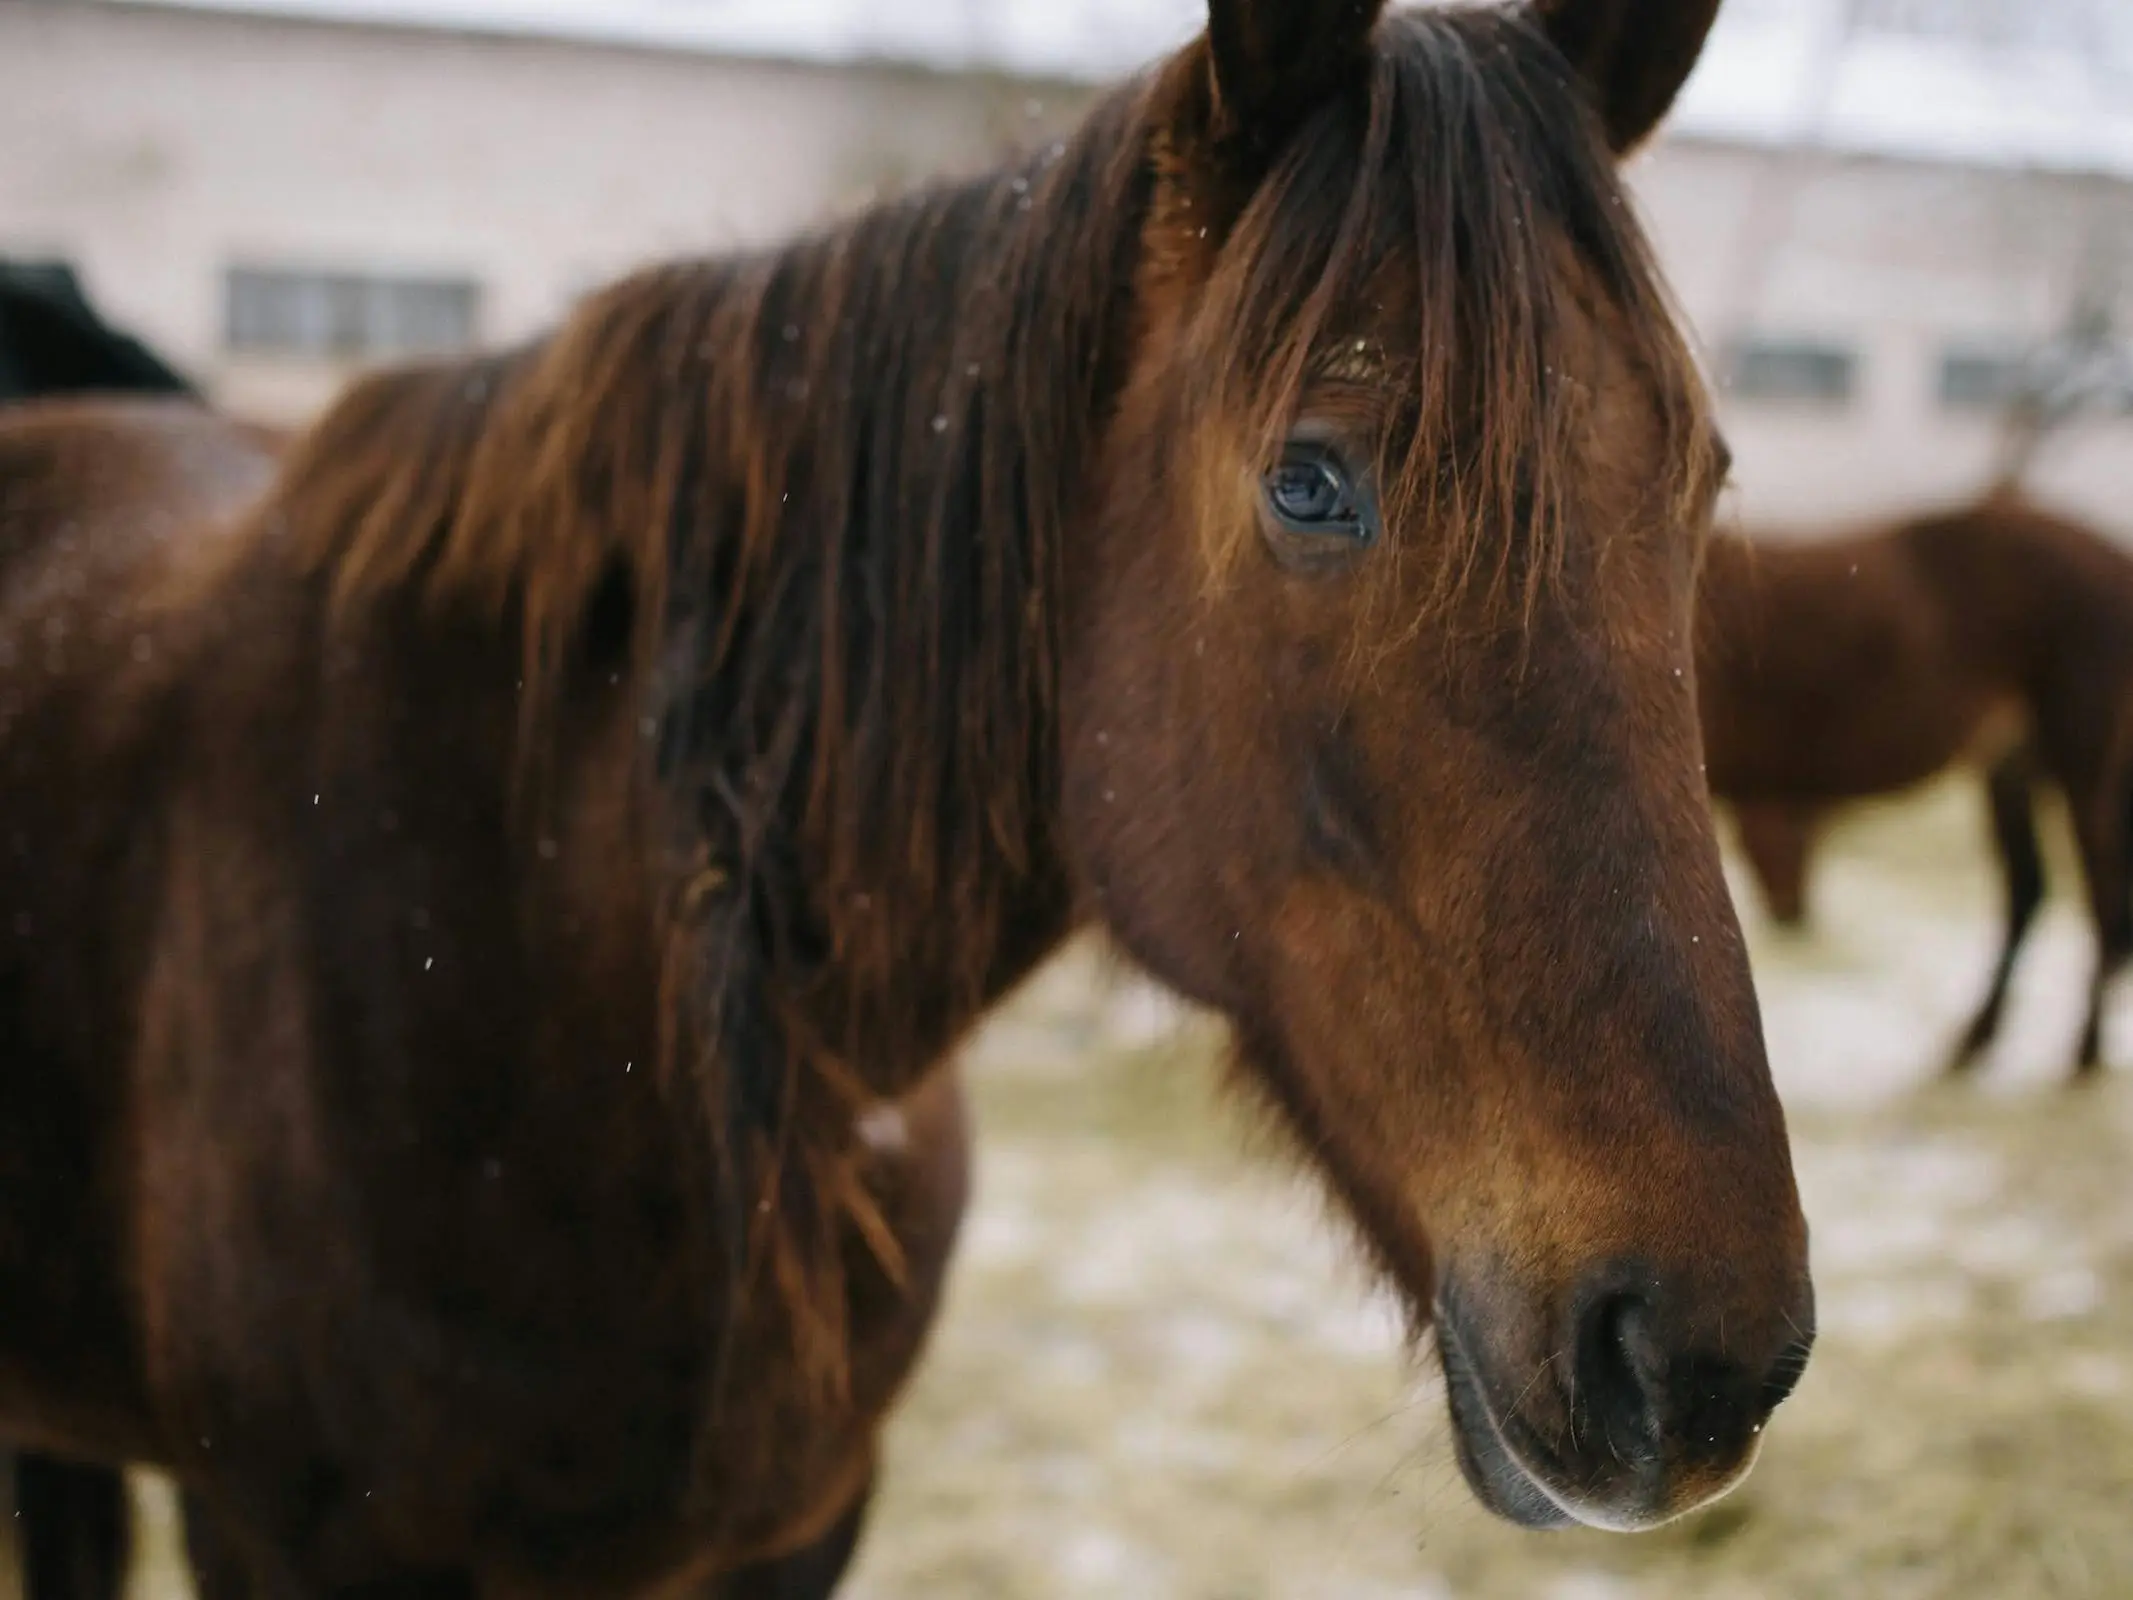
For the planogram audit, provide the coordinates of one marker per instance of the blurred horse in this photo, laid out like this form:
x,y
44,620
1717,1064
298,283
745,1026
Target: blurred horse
x,y
1998,634
53,341
487,921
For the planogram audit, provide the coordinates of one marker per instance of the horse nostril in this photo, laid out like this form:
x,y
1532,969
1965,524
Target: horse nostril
x,y
1662,1396
1785,1374
1621,1370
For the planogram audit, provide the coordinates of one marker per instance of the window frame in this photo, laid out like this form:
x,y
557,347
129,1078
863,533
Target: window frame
x,y
1755,369
293,312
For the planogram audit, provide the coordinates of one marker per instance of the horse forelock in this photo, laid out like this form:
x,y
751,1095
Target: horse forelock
x,y
1470,170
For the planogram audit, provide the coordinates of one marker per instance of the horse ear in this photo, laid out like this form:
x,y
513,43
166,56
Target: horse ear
x,y
1633,55
1277,61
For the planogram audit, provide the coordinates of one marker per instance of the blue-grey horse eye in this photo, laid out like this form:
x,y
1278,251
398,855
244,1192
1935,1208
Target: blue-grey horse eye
x,y
1311,491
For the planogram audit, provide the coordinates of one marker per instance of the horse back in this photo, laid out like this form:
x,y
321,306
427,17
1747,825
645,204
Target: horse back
x,y
102,474
2046,598
1859,664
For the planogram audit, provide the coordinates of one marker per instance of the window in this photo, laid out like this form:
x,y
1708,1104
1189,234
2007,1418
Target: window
x,y
2088,382
1767,368
1981,380
330,315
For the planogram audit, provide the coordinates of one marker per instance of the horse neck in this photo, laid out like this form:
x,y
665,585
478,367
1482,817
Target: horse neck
x,y
928,386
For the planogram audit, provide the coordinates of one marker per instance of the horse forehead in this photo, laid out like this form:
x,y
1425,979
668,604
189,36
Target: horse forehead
x,y
1593,333
1631,382
1592,326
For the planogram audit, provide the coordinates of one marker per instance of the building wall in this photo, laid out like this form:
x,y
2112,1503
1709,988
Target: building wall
x,y
1903,264
158,148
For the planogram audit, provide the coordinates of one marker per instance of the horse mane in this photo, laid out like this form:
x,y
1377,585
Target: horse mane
x,y
1474,157
813,503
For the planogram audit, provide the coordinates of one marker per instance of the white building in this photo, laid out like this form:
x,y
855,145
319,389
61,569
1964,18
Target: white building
x,y
276,191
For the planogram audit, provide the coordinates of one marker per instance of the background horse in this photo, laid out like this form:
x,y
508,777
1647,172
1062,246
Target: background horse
x,y
53,341
466,909
1997,633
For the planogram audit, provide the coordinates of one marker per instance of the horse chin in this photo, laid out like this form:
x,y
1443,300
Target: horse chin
x,y
1500,1481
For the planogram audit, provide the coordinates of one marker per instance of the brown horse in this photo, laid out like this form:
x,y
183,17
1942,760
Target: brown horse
x,y
466,911
1999,633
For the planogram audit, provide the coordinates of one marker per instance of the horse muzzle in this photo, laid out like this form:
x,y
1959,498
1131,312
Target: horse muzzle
x,y
1631,1422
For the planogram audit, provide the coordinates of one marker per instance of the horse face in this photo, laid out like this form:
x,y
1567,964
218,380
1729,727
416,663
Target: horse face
x,y
1381,734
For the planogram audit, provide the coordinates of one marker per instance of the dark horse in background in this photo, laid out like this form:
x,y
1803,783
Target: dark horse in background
x,y
54,341
465,911
70,1519
1997,633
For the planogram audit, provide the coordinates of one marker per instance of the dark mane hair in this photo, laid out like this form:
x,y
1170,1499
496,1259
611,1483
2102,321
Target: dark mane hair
x,y
813,502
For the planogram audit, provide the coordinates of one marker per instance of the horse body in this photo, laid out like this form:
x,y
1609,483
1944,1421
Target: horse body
x,y
1998,634
1878,622
479,895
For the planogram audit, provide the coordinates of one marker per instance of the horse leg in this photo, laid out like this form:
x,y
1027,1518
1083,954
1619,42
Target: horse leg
x,y
2101,830
74,1528
2010,789
809,1573
2113,949
1777,836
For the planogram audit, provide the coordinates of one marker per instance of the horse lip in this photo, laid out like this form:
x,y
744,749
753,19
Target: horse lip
x,y
1492,1468
1517,1477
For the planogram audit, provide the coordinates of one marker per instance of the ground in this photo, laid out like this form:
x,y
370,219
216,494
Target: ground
x,y
1161,1375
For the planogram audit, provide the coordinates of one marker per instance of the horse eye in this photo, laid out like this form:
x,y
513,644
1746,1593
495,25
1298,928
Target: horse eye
x,y
1310,491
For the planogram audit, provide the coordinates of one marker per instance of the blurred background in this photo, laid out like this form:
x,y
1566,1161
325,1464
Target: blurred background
x,y
1880,214
1903,230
